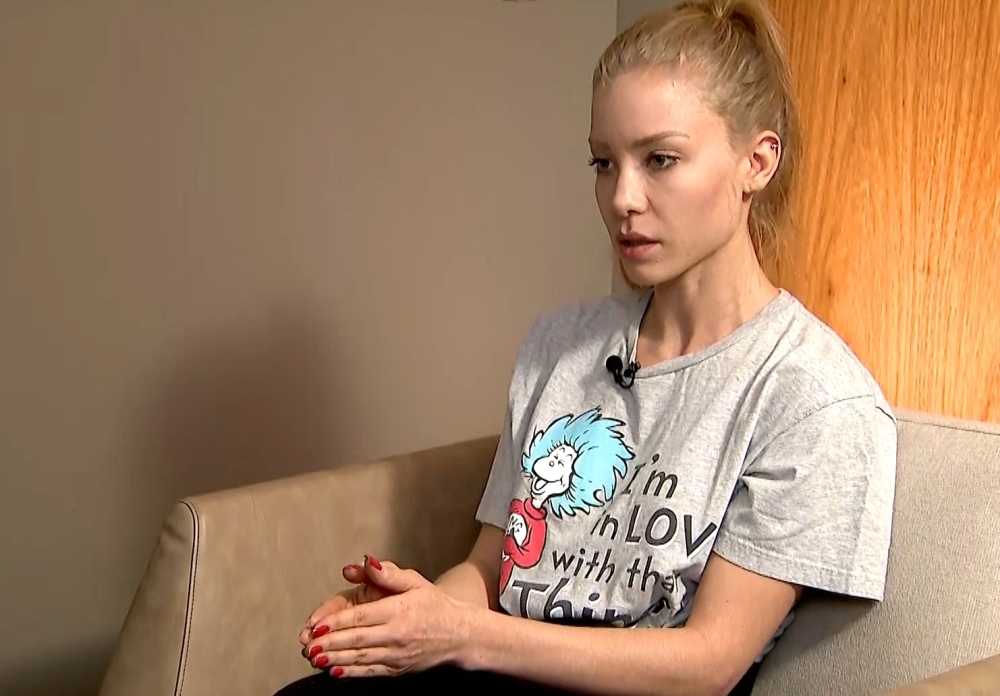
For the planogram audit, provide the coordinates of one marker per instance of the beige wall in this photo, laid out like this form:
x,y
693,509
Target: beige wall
x,y
631,10
245,240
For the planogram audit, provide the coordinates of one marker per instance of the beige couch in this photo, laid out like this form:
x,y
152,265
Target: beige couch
x,y
235,574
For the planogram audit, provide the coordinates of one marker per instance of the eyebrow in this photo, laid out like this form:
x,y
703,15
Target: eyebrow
x,y
649,139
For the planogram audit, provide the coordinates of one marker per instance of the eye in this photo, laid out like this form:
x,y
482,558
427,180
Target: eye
x,y
660,161
599,164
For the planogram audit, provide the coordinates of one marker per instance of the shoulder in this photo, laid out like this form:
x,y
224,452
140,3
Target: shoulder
x,y
574,323
812,368
815,500
583,315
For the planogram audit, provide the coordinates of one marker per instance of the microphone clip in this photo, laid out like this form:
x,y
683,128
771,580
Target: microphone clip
x,y
624,376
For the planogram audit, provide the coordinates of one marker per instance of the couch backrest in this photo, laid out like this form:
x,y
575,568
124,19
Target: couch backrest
x,y
942,600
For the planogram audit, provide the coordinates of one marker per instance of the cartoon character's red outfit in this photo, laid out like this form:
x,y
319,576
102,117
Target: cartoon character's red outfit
x,y
528,554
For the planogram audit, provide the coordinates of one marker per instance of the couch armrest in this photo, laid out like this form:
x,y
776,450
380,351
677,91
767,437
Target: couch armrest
x,y
235,574
981,678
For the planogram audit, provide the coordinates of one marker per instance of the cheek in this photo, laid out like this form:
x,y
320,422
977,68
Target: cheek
x,y
728,197
604,193
710,196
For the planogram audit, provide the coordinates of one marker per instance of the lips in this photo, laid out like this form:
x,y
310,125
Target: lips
x,y
634,239
635,246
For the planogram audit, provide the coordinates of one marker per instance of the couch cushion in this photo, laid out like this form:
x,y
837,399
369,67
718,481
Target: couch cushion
x,y
942,600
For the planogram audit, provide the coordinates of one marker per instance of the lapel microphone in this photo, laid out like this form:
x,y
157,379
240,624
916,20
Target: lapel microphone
x,y
624,376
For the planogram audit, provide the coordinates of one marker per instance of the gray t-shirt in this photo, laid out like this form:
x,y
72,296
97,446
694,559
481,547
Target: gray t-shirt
x,y
774,448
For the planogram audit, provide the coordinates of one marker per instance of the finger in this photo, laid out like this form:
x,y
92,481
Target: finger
x,y
354,671
354,574
355,646
355,650
365,593
305,636
362,638
361,657
360,615
328,607
392,577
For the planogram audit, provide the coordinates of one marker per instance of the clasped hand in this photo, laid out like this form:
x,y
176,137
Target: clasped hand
x,y
393,621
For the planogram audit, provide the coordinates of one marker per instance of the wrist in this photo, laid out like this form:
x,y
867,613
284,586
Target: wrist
x,y
465,584
467,646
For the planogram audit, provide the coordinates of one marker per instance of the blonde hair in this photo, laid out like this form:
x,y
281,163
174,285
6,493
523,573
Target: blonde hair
x,y
735,48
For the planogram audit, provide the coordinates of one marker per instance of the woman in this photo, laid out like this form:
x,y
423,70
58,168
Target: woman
x,y
657,517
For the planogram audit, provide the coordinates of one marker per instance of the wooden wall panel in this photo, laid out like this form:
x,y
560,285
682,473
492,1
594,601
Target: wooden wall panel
x,y
896,241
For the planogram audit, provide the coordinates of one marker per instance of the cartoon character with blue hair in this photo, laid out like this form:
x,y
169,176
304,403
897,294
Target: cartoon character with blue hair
x,y
574,465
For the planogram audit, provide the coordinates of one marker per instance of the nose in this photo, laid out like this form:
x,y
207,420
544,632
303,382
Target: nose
x,y
629,194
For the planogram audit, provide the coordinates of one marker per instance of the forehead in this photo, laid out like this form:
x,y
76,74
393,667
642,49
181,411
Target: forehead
x,y
647,100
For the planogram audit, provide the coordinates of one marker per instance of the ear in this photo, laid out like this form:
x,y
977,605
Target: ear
x,y
763,158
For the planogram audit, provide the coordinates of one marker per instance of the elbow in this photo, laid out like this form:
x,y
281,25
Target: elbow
x,y
712,686
725,677
718,684
716,689
714,679
720,672
707,685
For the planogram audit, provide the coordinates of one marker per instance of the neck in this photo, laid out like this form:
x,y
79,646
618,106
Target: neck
x,y
705,304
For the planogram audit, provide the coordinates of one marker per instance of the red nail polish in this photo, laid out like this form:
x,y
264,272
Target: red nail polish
x,y
352,567
321,661
375,564
317,649
320,631
337,672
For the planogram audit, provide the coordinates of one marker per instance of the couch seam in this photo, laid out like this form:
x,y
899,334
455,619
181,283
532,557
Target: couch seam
x,y
188,614
978,428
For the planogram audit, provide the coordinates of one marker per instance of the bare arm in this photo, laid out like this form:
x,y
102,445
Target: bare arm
x,y
735,613
476,580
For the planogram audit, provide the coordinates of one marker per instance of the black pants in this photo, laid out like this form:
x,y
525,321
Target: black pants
x,y
444,680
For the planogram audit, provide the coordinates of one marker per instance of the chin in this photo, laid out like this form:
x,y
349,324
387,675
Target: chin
x,y
645,276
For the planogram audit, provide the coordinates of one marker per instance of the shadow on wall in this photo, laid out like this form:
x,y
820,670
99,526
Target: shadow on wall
x,y
239,406
243,408
262,400
77,671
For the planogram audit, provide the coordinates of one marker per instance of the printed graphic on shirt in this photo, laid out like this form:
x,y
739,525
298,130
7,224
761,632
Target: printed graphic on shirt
x,y
574,465
622,566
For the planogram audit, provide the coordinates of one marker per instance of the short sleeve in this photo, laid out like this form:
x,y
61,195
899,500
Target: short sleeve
x,y
494,506
814,505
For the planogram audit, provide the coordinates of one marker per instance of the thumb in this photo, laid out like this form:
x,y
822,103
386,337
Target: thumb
x,y
355,574
391,577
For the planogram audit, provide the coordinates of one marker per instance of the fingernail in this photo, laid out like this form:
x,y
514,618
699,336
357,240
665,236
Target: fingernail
x,y
317,649
320,631
337,672
374,562
352,567
321,661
